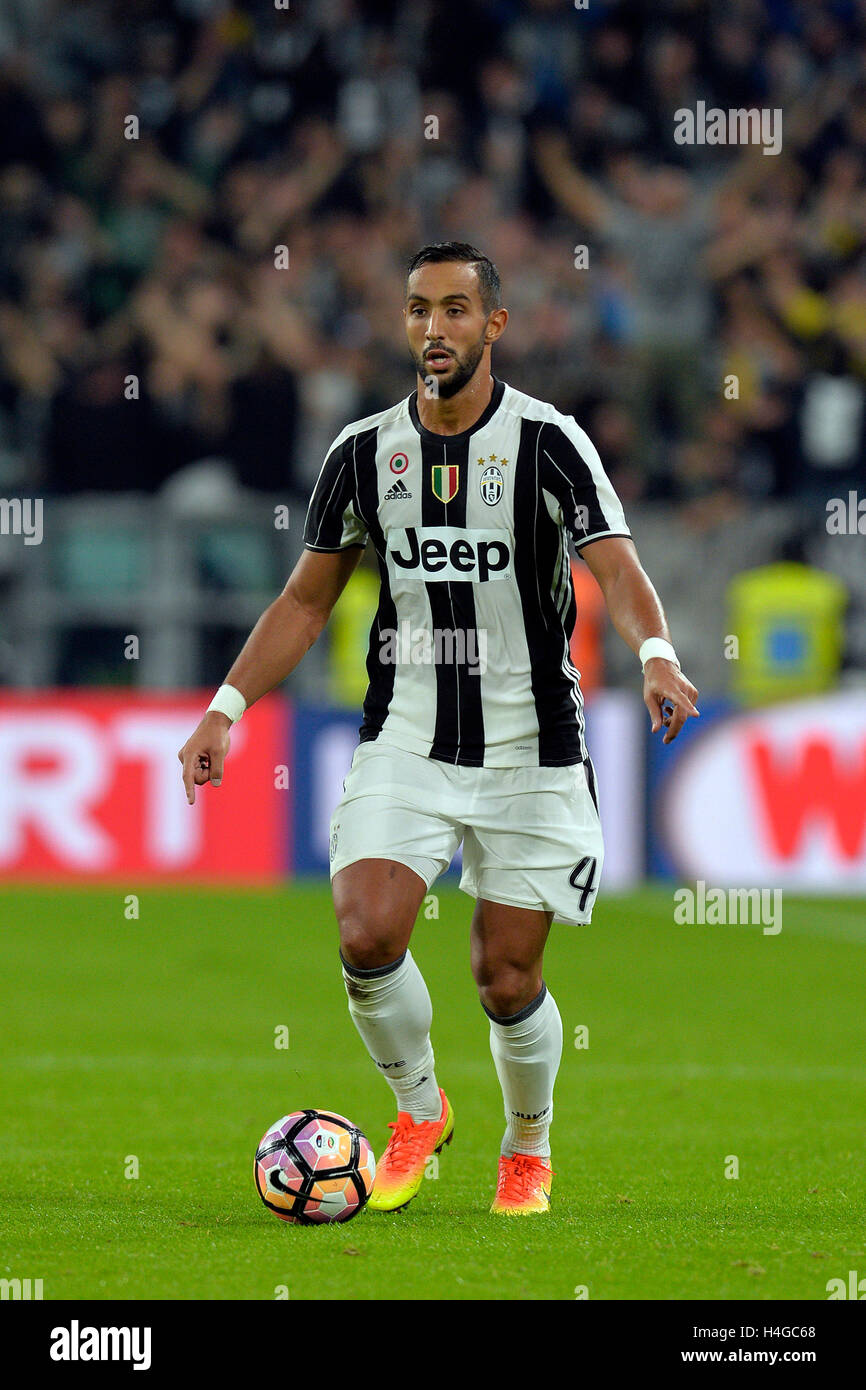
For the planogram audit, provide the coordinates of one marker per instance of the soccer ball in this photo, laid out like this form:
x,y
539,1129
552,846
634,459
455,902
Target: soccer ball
x,y
313,1167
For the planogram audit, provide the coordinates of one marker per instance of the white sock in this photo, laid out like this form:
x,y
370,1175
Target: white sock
x,y
526,1051
393,1013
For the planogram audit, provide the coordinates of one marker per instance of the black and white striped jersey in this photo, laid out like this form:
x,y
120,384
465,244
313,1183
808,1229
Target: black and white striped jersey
x,y
469,659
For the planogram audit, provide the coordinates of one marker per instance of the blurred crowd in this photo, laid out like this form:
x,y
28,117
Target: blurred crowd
x,y
155,155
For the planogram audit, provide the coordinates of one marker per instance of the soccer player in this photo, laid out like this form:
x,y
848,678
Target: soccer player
x,y
473,726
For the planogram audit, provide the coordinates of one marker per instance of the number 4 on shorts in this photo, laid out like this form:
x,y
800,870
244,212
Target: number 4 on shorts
x,y
587,867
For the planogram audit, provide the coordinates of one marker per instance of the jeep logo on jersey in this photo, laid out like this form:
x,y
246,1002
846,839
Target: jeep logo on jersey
x,y
452,553
491,485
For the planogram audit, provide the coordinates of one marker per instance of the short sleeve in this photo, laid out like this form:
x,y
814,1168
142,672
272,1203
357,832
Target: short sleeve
x,y
333,517
578,493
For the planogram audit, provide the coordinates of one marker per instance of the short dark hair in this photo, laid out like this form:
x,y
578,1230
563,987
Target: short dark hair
x,y
489,284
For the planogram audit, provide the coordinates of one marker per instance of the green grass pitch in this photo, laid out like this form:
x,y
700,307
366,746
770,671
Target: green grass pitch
x,y
154,1039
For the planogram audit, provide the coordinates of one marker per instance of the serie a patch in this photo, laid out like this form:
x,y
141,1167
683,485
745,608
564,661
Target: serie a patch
x,y
445,480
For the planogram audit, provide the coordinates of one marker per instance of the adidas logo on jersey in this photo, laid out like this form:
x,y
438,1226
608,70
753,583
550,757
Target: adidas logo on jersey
x,y
399,492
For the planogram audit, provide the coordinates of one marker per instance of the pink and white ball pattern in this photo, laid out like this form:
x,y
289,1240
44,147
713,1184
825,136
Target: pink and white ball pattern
x,y
314,1167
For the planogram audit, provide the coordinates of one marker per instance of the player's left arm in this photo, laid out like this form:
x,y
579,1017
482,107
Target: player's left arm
x,y
637,613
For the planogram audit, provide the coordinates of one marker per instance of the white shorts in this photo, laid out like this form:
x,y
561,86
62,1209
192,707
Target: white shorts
x,y
531,835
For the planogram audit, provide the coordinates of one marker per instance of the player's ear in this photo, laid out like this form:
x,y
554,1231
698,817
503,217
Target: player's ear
x,y
496,325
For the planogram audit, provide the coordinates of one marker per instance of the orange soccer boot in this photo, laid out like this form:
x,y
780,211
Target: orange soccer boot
x,y
524,1185
400,1170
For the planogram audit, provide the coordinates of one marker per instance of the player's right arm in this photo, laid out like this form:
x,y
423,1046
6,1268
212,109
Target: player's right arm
x,y
280,639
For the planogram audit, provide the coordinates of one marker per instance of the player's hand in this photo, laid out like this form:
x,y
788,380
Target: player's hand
x,y
204,754
669,696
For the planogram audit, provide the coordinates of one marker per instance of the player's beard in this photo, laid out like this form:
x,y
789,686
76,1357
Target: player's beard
x,y
463,370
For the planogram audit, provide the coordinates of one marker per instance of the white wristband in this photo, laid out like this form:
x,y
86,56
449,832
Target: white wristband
x,y
656,646
229,702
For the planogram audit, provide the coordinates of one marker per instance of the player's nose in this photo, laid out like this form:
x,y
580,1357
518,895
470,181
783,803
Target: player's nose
x,y
434,333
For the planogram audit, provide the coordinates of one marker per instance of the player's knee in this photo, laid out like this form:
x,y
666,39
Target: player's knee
x,y
505,990
368,939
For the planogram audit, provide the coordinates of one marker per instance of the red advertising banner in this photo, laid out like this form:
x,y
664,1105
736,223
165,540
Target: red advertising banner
x,y
90,787
773,796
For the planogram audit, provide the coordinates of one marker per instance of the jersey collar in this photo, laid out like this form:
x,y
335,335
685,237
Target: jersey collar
x,y
489,411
